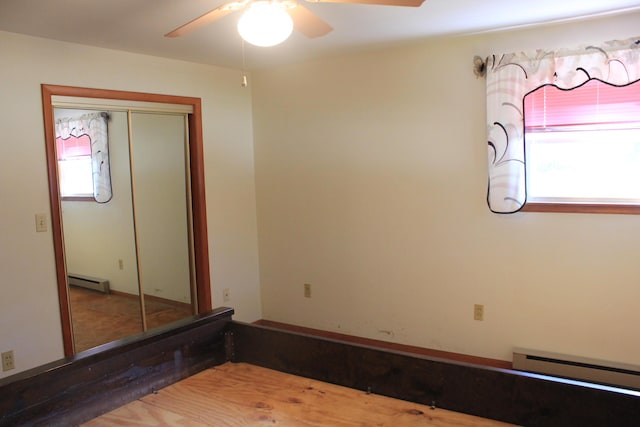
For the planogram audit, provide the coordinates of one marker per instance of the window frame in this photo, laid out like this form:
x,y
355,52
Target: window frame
x,y
78,199
574,207
597,208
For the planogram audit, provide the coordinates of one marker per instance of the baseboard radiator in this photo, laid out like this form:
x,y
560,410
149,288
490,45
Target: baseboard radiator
x,y
575,367
88,282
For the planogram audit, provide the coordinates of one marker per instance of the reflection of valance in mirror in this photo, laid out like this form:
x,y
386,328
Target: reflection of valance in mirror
x,y
512,76
83,136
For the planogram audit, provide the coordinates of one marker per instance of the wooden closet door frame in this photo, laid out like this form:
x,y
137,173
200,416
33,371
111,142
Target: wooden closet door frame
x,y
199,214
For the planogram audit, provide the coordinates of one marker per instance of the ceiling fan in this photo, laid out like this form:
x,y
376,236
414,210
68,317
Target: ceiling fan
x,y
291,14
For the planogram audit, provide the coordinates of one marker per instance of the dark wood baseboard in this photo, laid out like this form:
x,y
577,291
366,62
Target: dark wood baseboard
x,y
503,364
79,388
500,394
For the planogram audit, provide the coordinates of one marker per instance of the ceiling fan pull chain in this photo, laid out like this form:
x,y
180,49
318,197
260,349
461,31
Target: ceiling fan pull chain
x,y
244,74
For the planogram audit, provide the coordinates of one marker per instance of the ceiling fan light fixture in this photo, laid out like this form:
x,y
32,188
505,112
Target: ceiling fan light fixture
x,y
265,23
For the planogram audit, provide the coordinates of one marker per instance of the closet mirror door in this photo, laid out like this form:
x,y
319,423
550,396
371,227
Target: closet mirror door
x,y
99,239
143,225
129,255
159,165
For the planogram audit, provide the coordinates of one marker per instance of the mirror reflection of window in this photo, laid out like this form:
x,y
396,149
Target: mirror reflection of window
x,y
74,166
82,144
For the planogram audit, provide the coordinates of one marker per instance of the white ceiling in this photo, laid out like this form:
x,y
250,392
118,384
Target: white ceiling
x,y
139,25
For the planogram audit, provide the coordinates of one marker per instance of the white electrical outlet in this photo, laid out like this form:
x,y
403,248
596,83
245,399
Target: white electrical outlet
x,y
226,295
307,290
7,361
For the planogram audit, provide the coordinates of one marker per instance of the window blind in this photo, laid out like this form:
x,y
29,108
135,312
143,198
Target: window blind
x,y
593,103
73,146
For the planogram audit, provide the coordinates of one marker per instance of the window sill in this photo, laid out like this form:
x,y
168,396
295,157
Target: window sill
x,y
581,208
78,199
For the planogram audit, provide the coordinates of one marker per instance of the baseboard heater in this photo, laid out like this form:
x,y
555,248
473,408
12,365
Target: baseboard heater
x,y
575,367
88,282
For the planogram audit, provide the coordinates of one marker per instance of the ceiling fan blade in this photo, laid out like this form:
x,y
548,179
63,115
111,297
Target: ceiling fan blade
x,y
207,18
410,3
308,23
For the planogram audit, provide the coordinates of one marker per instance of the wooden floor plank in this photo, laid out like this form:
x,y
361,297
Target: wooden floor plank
x,y
246,395
212,396
139,414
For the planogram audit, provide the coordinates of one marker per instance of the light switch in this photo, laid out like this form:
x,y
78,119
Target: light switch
x,y
41,223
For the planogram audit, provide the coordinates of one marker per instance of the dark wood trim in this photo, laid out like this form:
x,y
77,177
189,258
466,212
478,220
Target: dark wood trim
x,y
79,388
76,389
201,248
499,394
581,208
503,364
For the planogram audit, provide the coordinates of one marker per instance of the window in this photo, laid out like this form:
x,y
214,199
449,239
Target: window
x,y
512,77
74,166
583,147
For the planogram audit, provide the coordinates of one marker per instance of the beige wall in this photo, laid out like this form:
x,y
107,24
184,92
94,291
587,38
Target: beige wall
x,y
371,185
29,314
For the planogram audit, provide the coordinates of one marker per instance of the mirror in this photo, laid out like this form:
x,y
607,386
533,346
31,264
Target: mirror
x,y
99,239
136,260
159,170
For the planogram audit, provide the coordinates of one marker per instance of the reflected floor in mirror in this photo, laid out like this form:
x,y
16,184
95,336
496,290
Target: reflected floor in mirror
x,y
100,318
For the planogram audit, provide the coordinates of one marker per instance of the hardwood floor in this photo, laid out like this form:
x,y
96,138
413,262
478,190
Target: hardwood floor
x,y
238,394
99,318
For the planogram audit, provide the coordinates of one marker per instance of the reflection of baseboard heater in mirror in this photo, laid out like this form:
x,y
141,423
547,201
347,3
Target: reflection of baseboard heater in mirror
x,y
88,282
